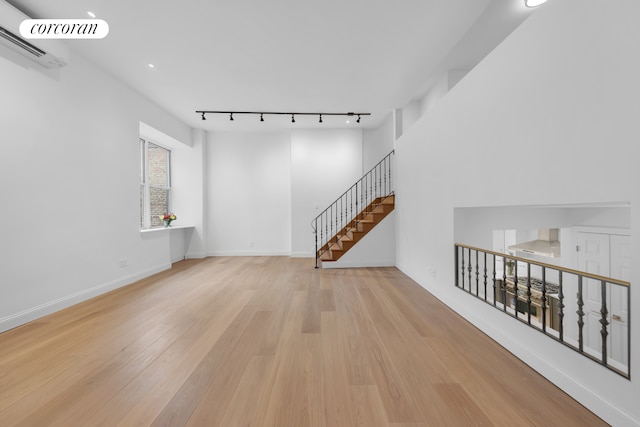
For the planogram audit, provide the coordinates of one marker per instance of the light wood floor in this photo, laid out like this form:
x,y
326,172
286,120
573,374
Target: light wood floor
x,y
269,342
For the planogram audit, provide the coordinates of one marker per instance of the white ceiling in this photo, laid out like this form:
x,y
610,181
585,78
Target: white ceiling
x,y
285,55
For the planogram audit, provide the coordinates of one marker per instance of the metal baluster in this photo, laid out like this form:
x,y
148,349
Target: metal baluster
x,y
503,289
485,275
603,320
494,279
340,215
560,308
580,314
515,288
363,195
375,182
390,167
543,299
477,275
336,221
357,211
462,267
326,228
370,192
380,179
469,270
386,190
315,232
457,279
528,293
346,210
331,219
351,204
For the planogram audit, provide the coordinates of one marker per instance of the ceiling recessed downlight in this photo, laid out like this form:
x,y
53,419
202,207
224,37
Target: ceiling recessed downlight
x,y
151,66
534,3
91,14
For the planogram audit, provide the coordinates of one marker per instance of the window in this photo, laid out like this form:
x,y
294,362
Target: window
x,y
155,183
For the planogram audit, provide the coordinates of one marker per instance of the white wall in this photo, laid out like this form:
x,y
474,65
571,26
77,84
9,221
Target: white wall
x,y
69,184
248,193
262,188
324,164
559,96
435,94
377,143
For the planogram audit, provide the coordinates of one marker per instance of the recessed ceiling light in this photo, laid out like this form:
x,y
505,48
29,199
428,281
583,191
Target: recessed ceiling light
x,y
534,3
91,14
348,122
151,66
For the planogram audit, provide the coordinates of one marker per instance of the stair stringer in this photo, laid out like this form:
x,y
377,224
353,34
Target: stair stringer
x,y
376,249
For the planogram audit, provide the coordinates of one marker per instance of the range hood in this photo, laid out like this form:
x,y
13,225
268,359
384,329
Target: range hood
x,y
547,244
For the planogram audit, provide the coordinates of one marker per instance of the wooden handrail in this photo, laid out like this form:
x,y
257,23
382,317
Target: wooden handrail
x,y
552,266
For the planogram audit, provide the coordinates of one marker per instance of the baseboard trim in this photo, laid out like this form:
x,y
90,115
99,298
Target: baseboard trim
x,y
196,255
302,255
358,264
247,253
34,313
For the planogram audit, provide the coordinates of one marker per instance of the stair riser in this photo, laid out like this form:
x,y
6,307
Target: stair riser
x,y
366,221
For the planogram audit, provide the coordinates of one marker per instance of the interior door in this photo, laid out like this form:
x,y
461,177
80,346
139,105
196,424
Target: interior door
x,y
620,269
593,257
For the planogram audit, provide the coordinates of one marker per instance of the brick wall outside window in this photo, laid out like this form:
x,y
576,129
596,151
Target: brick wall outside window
x,y
158,176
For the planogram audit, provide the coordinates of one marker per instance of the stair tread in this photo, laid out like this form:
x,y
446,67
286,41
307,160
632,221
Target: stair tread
x,y
356,229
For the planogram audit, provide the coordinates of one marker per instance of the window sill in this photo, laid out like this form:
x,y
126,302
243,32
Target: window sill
x,y
160,229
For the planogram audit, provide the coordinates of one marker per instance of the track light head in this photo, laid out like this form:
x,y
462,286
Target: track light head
x,y
358,121
230,116
203,118
261,118
320,121
293,118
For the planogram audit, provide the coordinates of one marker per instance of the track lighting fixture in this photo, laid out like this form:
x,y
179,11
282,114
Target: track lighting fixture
x,y
293,115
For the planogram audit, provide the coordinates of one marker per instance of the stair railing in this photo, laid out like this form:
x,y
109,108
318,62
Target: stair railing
x,y
350,208
553,300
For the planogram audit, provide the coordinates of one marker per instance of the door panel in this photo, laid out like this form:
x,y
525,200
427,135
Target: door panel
x,y
620,269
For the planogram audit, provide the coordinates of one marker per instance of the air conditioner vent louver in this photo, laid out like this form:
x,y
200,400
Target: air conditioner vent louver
x,y
48,53
8,35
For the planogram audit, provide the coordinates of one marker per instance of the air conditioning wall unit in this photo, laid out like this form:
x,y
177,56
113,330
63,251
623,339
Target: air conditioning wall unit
x,y
49,53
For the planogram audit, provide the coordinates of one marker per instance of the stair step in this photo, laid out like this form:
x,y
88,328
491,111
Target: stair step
x,y
326,257
356,229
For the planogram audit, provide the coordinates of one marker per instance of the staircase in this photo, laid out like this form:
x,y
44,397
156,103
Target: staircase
x,y
339,227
